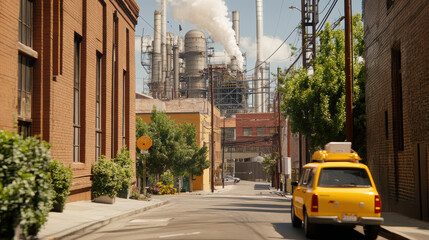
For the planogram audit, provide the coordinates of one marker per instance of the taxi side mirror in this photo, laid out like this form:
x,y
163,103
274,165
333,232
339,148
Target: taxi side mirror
x,y
294,184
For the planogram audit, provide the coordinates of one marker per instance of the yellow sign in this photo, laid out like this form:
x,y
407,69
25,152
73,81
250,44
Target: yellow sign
x,y
144,143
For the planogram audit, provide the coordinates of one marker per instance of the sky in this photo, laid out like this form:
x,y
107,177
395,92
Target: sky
x,y
280,23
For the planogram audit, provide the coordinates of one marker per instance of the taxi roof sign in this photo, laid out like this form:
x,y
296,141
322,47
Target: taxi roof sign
x,y
334,151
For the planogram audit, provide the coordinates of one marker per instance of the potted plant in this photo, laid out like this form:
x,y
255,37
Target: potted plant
x,y
106,181
61,180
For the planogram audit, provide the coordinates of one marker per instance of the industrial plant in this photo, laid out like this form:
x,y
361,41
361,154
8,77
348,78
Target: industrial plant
x,y
183,67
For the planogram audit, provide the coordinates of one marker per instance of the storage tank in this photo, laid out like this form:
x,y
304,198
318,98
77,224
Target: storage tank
x,y
195,61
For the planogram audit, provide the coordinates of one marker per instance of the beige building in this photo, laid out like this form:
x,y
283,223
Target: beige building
x,y
191,110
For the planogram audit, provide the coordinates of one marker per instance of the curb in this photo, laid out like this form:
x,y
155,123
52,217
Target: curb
x,y
384,232
85,229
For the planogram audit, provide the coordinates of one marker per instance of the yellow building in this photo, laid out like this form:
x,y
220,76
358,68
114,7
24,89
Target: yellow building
x,y
191,110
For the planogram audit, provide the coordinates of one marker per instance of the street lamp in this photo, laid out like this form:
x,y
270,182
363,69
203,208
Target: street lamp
x,y
293,7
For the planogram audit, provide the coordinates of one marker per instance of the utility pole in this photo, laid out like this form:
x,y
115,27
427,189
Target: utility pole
x,y
348,71
223,154
212,123
279,129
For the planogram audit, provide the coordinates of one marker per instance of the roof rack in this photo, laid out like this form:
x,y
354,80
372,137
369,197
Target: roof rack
x,y
336,152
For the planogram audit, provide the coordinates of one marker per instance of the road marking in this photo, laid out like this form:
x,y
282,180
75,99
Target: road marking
x,y
179,234
150,220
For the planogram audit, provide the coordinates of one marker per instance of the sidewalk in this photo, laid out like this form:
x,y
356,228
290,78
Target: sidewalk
x,y
397,226
81,217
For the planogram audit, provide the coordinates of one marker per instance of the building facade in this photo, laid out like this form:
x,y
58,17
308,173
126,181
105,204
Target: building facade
x,y
195,111
68,75
397,102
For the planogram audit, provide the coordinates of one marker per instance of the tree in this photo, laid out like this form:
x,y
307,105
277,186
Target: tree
x,y
269,164
193,159
316,103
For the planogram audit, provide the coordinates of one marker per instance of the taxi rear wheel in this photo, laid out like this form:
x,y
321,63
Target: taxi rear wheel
x,y
296,222
371,231
309,228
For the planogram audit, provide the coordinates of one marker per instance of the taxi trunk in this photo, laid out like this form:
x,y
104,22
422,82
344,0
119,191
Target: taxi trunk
x,y
348,204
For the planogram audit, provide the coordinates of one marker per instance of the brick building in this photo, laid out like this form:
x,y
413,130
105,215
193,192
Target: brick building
x,y
68,75
397,100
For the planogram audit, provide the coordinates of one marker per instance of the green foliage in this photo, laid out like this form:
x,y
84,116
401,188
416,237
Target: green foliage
x,y
61,179
269,164
25,190
125,165
316,103
174,147
167,178
165,148
106,178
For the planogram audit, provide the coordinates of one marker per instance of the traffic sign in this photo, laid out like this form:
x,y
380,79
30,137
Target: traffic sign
x,y
144,143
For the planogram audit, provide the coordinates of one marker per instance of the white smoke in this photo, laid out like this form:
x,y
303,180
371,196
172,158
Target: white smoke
x,y
270,45
212,16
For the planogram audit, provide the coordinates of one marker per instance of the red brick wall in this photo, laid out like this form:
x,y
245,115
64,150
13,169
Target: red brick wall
x,y
408,25
8,72
53,94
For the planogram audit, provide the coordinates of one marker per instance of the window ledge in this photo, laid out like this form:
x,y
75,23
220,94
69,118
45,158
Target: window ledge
x,y
27,50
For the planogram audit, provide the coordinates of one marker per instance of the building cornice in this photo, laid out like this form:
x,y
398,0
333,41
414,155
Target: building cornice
x,y
130,8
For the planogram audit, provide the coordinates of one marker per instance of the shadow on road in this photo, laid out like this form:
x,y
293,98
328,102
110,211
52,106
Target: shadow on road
x,y
252,210
261,187
326,232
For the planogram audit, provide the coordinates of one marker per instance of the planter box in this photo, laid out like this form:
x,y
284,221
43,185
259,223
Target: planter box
x,y
104,199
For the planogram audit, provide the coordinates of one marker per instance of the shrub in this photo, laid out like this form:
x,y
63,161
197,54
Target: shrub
x,y
162,189
25,190
61,179
167,178
125,165
106,178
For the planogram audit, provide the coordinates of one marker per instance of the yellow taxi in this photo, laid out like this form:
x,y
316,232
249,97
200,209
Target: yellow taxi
x,y
336,189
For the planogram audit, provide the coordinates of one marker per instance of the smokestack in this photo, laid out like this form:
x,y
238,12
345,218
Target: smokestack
x,y
176,70
163,43
236,25
259,68
156,54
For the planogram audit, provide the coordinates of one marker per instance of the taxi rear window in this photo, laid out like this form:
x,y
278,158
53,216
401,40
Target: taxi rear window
x,y
344,177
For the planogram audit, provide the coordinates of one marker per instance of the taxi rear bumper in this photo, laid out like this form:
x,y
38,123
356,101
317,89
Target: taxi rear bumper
x,y
335,220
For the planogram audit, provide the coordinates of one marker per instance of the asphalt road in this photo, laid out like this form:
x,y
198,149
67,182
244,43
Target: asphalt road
x,y
245,210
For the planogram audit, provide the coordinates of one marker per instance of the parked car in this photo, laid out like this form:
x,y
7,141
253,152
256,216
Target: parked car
x,y
336,189
232,179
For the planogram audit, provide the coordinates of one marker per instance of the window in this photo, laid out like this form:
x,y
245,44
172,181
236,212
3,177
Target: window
x,y
307,178
124,79
273,130
260,131
229,133
25,85
344,177
397,111
76,99
25,68
247,131
26,22
98,131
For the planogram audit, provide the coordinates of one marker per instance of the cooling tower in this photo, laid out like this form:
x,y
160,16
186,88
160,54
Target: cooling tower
x,y
195,61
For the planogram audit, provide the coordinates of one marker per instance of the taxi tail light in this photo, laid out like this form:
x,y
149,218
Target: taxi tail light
x,y
314,203
377,205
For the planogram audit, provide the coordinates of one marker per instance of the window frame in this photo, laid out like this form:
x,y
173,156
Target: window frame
x,y
98,129
245,134
76,97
